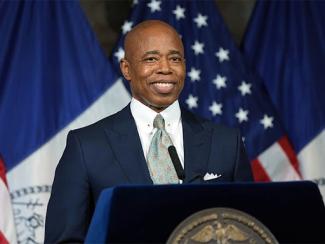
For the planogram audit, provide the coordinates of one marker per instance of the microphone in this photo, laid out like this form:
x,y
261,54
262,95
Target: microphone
x,y
176,162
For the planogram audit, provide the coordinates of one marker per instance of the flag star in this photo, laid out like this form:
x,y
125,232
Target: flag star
x,y
119,54
245,88
267,121
154,6
194,74
201,20
222,54
198,47
127,26
179,12
242,115
216,108
192,101
220,81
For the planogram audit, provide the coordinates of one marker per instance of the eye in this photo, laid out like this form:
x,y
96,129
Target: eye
x,y
150,59
176,59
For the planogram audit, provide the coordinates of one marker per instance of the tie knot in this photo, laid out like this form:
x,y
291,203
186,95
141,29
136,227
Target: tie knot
x,y
159,122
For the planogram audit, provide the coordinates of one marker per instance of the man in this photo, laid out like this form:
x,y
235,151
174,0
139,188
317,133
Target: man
x,y
122,149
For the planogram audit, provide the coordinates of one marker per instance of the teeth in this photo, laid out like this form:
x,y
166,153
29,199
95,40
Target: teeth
x,y
164,84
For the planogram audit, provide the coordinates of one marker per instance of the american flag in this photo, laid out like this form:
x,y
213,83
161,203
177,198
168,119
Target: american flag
x,y
219,85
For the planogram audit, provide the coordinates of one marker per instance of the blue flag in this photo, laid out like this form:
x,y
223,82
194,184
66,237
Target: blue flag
x,y
218,84
285,43
53,77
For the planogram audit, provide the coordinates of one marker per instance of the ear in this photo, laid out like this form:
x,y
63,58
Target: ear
x,y
125,68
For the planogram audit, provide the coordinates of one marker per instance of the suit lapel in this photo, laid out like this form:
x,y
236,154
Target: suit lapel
x,y
196,148
124,139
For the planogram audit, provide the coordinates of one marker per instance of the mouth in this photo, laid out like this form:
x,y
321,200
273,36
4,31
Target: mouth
x,y
163,87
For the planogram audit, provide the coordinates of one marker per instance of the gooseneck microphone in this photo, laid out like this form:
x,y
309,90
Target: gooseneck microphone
x,y
176,162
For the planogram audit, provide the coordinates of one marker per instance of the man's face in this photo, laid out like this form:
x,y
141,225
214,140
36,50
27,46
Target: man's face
x,y
155,67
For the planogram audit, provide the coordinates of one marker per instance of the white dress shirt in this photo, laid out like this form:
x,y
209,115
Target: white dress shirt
x,y
144,117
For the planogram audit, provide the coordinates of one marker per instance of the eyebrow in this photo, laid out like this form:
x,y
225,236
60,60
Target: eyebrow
x,y
157,52
175,52
151,52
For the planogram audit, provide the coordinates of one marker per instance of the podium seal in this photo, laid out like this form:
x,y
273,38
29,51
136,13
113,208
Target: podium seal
x,y
221,226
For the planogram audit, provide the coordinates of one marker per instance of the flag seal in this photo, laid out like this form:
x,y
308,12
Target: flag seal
x,y
29,204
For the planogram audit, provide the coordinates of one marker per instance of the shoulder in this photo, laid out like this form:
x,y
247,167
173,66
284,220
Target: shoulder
x,y
206,124
111,121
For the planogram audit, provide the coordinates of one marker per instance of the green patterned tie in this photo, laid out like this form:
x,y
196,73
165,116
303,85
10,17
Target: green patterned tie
x,y
160,166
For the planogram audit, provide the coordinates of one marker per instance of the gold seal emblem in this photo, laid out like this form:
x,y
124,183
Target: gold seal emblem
x,y
221,226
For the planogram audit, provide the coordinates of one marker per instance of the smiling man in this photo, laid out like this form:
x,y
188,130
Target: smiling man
x,y
131,146
154,64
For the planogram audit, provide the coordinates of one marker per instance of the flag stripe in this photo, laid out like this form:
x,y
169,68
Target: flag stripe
x,y
114,99
3,171
259,172
277,164
3,240
311,159
284,143
7,226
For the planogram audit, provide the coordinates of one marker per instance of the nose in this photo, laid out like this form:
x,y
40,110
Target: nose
x,y
164,66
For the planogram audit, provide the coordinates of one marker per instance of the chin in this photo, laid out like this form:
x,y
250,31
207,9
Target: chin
x,y
164,102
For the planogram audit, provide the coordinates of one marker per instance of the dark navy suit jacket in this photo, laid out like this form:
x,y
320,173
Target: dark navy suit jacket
x,y
109,153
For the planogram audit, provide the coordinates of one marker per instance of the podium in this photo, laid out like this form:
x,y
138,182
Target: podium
x,y
293,211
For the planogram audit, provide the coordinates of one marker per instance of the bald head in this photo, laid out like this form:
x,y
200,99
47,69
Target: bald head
x,y
147,29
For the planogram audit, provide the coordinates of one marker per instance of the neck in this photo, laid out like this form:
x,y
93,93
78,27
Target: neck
x,y
155,108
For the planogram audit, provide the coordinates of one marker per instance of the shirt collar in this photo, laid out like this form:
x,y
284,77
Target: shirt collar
x,y
144,116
